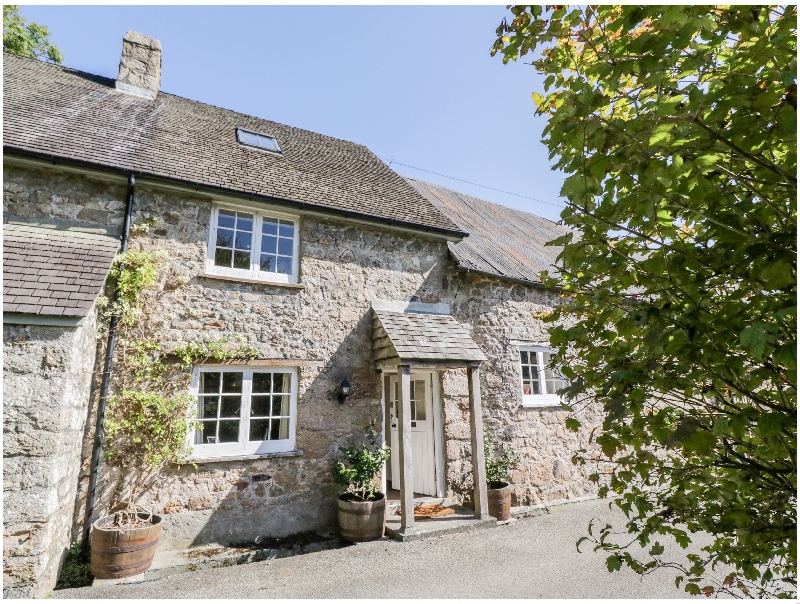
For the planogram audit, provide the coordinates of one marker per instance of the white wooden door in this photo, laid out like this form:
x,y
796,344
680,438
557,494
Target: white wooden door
x,y
423,456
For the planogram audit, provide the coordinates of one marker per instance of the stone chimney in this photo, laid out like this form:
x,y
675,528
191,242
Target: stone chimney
x,y
140,65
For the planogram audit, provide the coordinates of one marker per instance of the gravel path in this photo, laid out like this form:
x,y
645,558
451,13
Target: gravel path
x,y
529,558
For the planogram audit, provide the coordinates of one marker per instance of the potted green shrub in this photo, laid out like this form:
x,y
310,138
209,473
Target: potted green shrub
x,y
361,509
498,465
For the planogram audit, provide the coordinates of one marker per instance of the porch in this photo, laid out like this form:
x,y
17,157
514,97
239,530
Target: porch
x,y
412,343
459,520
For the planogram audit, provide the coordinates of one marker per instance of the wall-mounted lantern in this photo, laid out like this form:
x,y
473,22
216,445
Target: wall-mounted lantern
x,y
344,392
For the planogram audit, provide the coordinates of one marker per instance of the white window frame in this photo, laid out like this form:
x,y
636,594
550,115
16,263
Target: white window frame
x,y
243,447
544,399
254,272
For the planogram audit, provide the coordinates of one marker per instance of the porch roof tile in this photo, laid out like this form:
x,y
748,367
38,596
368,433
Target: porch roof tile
x,y
419,337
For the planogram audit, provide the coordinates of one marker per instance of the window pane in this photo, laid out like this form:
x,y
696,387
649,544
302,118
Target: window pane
x,y
208,435
247,138
534,372
420,406
209,382
284,265
524,357
279,430
282,382
526,372
259,406
243,240
232,382
269,226
209,406
269,244
224,238
229,431
244,222
551,386
526,388
226,219
258,429
267,142
223,257
536,388
280,405
287,229
230,406
285,246
268,263
262,382
241,260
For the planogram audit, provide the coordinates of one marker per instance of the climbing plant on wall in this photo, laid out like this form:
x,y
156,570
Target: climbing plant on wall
x,y
676,127
149,412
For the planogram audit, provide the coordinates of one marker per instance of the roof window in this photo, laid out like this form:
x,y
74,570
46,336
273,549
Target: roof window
x,y
258,140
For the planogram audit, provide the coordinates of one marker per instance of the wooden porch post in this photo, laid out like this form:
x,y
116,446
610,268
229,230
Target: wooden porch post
x,y
476,433
404,440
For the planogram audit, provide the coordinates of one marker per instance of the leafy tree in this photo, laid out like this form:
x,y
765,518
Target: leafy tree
x,y
676,127
26,38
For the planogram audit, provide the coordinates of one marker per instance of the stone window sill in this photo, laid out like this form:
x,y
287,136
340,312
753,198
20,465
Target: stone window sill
x,y
245,457
256,281
542,404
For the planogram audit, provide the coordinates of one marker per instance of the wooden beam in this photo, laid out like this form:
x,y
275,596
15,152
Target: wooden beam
x,y
406,477
476,433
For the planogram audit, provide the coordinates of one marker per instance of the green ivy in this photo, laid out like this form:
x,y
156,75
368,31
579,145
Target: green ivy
x,y
149,413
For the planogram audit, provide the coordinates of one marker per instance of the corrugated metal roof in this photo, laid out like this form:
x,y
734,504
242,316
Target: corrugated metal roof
x,y
502,241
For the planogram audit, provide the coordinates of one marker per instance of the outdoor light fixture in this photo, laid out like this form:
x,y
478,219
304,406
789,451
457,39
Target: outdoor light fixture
x,y
345,391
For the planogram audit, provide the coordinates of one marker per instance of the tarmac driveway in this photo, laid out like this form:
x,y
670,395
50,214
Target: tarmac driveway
x,y
529,558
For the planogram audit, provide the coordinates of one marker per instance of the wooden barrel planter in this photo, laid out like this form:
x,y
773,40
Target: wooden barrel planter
x,y
499,497
361,520
119,553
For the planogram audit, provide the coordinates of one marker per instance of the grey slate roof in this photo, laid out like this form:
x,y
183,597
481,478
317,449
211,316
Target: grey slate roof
x,y
421,337
53,110
502,241
53,272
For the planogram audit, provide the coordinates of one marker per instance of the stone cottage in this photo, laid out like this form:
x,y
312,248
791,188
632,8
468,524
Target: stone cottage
x,y
335,268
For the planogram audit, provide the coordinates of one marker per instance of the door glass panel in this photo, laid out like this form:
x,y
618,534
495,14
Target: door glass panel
x,y
418,412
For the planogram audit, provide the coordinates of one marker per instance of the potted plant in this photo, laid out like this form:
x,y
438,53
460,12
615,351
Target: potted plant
x,y
124,543
361,509
498,464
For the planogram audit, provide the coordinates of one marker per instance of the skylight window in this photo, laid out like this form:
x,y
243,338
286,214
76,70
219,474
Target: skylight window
x,y
258,140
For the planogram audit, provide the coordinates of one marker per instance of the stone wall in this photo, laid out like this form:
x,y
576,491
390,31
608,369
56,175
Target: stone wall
x,y
47,373
326,327
499,314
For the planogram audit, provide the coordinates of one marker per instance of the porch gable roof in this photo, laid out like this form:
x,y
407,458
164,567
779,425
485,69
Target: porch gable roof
x,y
418,338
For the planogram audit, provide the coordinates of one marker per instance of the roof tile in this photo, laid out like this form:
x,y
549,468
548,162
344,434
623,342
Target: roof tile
x,y
62,287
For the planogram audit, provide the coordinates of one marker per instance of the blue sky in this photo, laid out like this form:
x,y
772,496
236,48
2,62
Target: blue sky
x,y
415,84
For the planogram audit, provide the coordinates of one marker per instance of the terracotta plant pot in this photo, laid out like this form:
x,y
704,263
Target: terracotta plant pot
x,y
120,553
499,496
361,520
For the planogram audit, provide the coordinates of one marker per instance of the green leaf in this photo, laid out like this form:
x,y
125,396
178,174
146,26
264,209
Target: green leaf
x,y
614,563
572,424
754,338
657,549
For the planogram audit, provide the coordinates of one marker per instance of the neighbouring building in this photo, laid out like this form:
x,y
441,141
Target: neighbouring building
x,y
332,265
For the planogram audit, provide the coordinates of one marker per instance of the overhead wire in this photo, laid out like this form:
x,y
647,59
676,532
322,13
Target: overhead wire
x,y
392,161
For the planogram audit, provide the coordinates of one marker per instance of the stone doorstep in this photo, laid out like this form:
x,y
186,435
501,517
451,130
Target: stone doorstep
x,y
462,520
167,562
